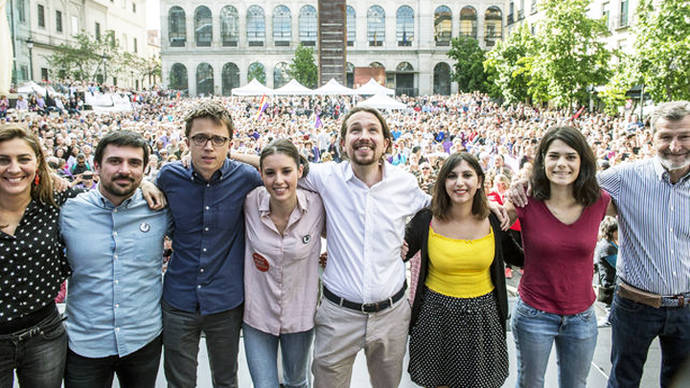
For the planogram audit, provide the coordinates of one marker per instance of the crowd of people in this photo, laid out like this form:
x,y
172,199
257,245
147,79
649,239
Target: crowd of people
x,y
362,176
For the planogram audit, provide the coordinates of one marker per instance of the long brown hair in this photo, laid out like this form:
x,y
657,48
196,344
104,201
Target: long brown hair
x,y
440,201
43,191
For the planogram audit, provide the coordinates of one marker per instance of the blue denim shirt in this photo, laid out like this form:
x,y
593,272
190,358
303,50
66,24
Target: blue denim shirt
x,y
116,255
206,268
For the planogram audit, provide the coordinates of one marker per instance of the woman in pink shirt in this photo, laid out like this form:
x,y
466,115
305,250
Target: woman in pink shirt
x,y
559,232
281,275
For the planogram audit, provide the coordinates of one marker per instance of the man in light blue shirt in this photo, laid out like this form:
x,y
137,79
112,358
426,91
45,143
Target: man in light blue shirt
x,y
114,245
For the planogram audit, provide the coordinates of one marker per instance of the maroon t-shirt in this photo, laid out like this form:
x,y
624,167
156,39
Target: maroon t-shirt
x,y
559,257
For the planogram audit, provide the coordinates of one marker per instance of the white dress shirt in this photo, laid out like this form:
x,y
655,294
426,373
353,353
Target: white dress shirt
x,y
366,228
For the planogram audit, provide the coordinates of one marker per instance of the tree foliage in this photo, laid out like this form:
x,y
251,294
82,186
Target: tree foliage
x,y
468,69
508,66
303,67
258,73
662,48
571,56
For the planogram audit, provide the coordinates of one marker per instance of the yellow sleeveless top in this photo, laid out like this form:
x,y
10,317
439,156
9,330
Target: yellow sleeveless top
x,y
460,268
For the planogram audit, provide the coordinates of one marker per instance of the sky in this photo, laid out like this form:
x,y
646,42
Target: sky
x,y
153,19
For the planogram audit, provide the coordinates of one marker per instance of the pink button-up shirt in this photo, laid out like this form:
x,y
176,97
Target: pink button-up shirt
x,y
281,273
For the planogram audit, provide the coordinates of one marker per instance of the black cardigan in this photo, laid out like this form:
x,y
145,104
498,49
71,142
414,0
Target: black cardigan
x,y
417,236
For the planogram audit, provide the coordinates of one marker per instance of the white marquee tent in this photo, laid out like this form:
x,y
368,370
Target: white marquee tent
x,y
253,88
332,87
293,88
381,101
372,88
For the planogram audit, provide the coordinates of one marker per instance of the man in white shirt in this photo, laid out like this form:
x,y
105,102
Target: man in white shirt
x,y
367,202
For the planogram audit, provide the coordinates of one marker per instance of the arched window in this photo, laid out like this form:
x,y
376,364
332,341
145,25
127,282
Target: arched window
x,y
229,26
231,78
442,79
493,26
443,20
350,74
468,22
256,71
204,80
404,20
203,31
376,64
282,26
178,78
280,75
307,25
404,79
177,28
351,31
376,25
256,26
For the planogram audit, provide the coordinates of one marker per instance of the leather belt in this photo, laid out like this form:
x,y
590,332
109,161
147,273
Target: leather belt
x,y
650,299
365,307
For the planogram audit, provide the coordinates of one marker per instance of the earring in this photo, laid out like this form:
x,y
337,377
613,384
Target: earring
x,y
37,180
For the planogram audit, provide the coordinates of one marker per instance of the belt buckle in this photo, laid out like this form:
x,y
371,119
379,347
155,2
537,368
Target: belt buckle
x,y
364,307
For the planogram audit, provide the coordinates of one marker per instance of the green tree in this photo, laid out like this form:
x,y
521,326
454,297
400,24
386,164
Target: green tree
x,y
662,48
571,56
87,57
256,71
625,77
506,67
303,67
468,69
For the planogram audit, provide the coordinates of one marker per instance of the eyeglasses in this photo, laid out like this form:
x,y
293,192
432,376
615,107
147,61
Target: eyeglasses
x,y
201,140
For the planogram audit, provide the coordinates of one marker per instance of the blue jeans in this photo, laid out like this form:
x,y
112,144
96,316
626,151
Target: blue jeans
x,y
135,370
39,360
535,332
262,356
633,328
181,334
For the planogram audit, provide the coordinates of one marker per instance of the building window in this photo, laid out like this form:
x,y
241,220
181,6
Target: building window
x,y
134,7
280,75
404,20
376,25
231,78
98,31
178,78
605,13
58,21
204,80
624,14
256,71
468,22
256,26
351,31
282,26
442,25
21,11
24,71
177,29
41,16
44,74
229,26
202,26
493,26
307,25
135,48
442,79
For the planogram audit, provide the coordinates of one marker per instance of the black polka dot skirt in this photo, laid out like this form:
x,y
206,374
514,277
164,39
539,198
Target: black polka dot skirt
x,y
458,342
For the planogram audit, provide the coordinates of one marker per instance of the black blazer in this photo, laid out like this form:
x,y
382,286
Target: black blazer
x,y
417,236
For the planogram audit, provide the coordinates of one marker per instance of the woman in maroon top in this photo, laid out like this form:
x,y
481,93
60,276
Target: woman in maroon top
x,y
559,233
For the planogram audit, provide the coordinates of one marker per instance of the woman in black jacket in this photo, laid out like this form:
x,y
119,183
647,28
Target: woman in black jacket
x,y
457,330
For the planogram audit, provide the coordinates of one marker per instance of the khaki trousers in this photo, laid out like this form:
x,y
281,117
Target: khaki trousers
x,y
341,333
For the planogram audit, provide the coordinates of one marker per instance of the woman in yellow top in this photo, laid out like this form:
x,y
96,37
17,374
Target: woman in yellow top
x,y
457,330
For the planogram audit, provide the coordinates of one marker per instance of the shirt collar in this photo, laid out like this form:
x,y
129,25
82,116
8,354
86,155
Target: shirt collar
x,y
349,173
221,173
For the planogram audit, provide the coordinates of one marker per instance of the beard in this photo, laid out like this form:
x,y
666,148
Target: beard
x,y
673,165
118,190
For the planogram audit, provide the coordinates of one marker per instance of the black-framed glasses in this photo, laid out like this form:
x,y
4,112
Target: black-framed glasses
x,y
201,140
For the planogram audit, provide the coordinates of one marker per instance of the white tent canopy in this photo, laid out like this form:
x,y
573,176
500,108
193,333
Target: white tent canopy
x,y
293,88
253,88
332,87
32,87
373,87
381,101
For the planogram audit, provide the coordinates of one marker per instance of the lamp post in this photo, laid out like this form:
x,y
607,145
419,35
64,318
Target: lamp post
x,y
30,45
105,68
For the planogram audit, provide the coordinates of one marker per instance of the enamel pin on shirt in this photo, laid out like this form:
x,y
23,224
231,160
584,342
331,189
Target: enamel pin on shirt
x,y
145,227
306,239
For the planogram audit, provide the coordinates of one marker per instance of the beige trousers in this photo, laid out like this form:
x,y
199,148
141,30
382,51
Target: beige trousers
x,y
341,333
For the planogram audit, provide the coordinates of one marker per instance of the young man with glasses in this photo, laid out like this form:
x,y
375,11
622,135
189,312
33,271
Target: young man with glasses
x,y
203,288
